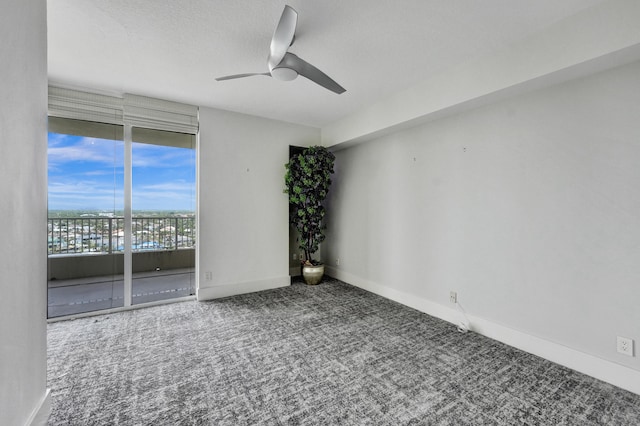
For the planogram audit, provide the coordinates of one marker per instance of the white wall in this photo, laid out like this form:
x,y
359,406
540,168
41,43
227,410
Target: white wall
x,y
529,208
243,213
23,185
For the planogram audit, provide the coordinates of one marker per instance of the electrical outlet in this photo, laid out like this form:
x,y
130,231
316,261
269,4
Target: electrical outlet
x,y
208,276
295,256
338,262
453,297
625,346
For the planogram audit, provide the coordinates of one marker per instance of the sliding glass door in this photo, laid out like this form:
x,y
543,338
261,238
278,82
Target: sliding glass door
x,y
85,216
163,215
121,227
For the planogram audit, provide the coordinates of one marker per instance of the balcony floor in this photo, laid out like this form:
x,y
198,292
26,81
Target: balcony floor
x,y
70,297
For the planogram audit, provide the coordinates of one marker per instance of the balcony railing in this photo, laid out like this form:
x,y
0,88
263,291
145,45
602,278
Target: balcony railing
x,y
78,235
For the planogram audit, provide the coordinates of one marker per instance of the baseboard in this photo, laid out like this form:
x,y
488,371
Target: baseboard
x,y
607,371
420,304
602,369
40,415
232,289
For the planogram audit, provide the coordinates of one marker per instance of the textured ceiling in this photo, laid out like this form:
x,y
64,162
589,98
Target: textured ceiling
x,y
175,49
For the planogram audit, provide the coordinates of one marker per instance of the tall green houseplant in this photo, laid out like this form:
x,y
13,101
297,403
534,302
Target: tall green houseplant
x,y
307,181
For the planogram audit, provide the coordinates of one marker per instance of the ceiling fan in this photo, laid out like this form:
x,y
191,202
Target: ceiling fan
x,y
284,65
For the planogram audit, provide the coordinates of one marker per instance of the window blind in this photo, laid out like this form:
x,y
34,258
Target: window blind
x,y
151,113
78,105
134,110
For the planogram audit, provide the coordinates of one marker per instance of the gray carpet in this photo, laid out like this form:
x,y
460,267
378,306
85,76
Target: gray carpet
x,y
322,355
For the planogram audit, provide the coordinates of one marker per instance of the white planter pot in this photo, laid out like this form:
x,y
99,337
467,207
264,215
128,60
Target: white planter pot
x,y
312,274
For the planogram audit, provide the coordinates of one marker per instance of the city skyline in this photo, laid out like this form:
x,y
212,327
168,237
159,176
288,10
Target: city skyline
x,y
88,174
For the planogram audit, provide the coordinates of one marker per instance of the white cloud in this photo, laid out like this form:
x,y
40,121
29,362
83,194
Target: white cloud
x,y
61,153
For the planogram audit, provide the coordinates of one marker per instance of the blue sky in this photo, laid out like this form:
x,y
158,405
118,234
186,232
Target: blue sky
x,y
88,174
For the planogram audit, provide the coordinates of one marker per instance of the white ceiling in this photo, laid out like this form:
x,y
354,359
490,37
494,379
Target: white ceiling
x,y
175,49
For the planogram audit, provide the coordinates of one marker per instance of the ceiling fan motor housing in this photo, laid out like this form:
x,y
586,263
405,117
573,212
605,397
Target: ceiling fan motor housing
x,y
284,74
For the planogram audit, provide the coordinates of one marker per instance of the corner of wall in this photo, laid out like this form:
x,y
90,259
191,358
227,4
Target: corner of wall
x,y
40,415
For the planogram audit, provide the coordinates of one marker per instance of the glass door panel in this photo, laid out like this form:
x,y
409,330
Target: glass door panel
x,y
85,217
163,215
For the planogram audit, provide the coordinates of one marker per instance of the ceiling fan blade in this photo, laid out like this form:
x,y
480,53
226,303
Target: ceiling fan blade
x,y
231,77
283,36
307,70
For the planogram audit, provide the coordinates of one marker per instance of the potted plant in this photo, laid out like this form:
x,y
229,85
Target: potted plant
x,y
307,180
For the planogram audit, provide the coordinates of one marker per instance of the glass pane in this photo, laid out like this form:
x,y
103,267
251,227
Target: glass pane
x,y
163,207
85,217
